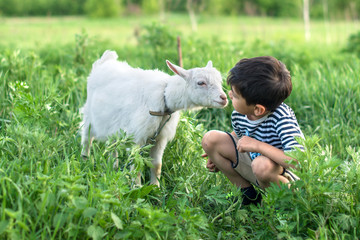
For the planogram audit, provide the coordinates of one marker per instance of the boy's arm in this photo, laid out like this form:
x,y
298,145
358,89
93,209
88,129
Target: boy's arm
x,y
248,144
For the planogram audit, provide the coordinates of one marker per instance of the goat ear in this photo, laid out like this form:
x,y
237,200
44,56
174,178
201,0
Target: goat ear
x,y
177,70
209,64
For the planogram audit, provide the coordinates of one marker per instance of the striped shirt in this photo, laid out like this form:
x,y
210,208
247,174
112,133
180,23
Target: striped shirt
x,y
278,128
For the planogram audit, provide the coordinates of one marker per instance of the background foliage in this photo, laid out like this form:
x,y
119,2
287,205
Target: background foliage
x,y
328,9
48,192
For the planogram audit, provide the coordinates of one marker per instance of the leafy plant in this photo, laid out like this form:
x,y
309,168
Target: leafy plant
x,y
161,41
353,44
102,9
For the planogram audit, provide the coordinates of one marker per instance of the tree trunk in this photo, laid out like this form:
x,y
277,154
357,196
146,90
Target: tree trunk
x,y
191,11
326,20
306,15
162,11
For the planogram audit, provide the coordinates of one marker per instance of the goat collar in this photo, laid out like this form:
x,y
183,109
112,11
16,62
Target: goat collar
x,y
166,112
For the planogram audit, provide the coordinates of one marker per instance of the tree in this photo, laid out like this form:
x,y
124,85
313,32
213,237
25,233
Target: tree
x,y
306,16
192,7
104,8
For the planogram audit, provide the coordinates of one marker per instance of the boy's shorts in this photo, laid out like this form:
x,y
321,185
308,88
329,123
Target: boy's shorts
x,y
243,165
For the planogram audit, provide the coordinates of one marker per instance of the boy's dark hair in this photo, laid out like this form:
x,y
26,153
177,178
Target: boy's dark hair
x,y
261,80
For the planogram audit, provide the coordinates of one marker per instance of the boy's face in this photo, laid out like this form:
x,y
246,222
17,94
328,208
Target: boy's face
x,y
239,103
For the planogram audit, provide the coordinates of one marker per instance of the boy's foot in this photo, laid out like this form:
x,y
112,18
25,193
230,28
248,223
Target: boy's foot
x,y
250,196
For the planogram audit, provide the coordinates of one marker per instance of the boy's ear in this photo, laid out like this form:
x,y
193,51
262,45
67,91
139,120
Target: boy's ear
x,y
259,110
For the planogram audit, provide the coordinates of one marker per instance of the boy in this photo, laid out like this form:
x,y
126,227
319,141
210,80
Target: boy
x,y
264,128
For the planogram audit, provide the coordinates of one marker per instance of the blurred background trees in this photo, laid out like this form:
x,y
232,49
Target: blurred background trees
x,y
328,9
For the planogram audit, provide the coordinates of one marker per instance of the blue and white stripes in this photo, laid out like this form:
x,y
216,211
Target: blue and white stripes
x,y
278,128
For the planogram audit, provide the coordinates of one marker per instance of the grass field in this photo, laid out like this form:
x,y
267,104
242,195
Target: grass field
x,y
27,32
48,192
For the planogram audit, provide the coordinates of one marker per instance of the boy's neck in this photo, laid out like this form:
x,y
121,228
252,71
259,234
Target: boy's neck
x,y
254,117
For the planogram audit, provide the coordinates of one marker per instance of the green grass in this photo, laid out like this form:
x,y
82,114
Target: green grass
x,y
48,192
40,31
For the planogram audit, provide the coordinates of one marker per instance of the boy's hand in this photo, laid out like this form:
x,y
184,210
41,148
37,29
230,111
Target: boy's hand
x,y
210,165
247,144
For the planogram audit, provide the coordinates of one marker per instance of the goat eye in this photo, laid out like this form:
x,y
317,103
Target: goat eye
x,y
201,83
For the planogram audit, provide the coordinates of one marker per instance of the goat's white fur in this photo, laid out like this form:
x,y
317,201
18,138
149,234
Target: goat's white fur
x,y
120,97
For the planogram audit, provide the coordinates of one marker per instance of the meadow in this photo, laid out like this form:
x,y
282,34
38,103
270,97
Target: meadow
x,y
48,192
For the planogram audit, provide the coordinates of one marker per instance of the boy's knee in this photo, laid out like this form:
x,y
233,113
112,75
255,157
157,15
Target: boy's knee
x,y
209,140
262,168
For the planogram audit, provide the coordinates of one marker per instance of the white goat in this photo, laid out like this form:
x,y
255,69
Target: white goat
x,y
140,101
